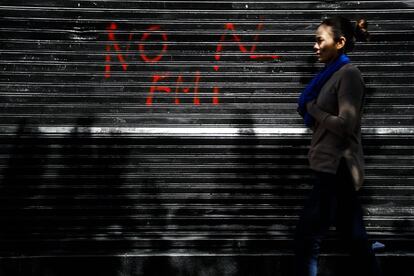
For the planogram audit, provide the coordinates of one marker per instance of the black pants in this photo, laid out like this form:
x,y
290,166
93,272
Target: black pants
x,y
333,201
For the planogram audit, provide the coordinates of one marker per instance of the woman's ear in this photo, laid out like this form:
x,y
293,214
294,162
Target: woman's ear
x,y
340,44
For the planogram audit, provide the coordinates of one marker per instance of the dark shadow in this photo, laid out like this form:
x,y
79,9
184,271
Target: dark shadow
x,y
65,195
90,210
22,190
158,189
262,183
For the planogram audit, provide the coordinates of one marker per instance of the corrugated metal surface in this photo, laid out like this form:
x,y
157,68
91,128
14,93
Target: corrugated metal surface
x,y
169,127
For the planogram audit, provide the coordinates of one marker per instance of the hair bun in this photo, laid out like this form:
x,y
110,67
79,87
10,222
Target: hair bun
x,y
361,30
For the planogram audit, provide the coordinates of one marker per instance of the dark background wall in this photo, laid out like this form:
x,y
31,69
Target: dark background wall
x,y
161,137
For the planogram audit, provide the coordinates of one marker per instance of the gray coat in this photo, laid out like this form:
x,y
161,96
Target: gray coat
x,y
337,130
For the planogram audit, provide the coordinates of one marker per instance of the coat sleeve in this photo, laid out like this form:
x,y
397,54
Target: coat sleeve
x,y
350,99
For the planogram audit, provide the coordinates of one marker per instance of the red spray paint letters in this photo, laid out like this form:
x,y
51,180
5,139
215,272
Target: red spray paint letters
x,y
178,88
114,50
115,45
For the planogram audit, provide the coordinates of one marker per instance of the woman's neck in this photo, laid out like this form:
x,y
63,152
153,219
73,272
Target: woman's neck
x,y
333,59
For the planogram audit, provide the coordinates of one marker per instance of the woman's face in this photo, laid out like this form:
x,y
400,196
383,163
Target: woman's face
x,y
326,49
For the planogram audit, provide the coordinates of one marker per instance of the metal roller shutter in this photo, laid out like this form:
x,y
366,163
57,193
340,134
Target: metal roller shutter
x,y
155,128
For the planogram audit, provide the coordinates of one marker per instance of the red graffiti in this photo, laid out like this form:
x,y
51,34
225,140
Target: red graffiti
x,y
243,49
197,81
154,88
117,48
180,84
145,37
111,36
179,87
215,98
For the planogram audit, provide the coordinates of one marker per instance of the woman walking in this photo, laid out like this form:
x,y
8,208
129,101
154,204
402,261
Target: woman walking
x,y
331,106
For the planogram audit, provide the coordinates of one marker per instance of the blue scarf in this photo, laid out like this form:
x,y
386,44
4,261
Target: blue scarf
x,y
312,90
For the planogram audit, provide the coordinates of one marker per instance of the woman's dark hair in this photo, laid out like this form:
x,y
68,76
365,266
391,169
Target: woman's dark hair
x,y
342,26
